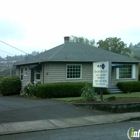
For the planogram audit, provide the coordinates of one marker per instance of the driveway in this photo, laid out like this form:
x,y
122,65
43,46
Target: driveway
x,y
17,109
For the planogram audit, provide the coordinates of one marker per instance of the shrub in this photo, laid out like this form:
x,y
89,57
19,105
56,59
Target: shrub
x,y
128,87
30,89
10,85
87,92
57,90
97,90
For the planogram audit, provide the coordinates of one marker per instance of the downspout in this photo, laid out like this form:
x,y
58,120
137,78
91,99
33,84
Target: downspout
x,y
42,72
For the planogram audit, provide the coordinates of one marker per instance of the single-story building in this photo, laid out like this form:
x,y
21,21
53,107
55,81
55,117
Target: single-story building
x,y
73,62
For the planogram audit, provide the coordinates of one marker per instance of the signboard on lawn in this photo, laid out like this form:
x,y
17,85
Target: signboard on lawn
x,y
101,74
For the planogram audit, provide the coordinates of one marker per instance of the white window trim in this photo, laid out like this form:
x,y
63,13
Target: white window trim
x,y
117,73
133,75
80,72
25,72
134,71
21,73
38,80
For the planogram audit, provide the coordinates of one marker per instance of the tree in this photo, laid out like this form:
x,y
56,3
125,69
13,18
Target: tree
x,y
115,45
34,53
137,57
82,40
131,46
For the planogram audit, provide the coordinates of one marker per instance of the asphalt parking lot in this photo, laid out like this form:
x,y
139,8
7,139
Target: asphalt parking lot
x,y
17,109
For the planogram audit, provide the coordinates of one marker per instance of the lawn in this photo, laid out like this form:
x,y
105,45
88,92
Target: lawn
x,y
130,95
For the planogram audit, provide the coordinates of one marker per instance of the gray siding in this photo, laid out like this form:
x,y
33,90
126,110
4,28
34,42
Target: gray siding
x,y
115,81
56,72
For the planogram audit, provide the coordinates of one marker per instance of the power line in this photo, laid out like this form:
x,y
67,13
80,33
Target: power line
x,y
20,50
6,52
13,47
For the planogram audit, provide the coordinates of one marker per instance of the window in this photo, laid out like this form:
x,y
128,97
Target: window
x,y
127,71
21,73
37,76
74,71
25,71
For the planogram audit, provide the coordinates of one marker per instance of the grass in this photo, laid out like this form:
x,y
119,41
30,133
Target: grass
x,y
129,95
68,99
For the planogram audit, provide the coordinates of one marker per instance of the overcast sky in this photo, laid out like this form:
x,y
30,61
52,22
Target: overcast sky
x,y
38,25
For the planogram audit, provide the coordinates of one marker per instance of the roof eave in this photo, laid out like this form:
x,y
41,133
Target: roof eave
x,y
90,61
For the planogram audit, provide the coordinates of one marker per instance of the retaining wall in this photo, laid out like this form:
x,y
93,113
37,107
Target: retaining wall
x,y
112,107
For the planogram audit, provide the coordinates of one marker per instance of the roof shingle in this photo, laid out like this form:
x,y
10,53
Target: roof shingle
x,y
78,52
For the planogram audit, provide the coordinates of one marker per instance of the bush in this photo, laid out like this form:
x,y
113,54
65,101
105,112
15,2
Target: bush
x,y
87,92
57,90
30,89
128,87
10,85
97,90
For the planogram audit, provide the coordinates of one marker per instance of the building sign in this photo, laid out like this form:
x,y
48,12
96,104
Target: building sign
x,y
101,74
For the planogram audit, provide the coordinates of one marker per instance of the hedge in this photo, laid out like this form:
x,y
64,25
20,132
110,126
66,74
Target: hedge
x,y
128,87
10,85
58,90
97,90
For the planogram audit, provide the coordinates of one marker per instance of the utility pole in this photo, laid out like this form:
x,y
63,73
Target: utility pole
x,y
10,69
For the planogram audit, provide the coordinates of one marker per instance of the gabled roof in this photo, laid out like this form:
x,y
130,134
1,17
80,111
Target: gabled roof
x,y
77,52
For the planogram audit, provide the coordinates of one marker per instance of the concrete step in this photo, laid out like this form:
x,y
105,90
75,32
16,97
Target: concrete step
x,y
114,90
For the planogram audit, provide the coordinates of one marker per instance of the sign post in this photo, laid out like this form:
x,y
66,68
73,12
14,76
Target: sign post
x,y
101,76
101,94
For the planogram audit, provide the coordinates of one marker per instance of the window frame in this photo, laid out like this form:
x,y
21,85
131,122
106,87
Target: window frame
x,y
133,72
74,65
21,73
127,74
36,72
25,71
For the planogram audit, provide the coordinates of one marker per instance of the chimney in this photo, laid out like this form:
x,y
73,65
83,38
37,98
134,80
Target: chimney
x,y
66,39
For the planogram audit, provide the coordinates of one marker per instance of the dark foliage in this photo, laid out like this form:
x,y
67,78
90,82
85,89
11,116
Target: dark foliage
x,y
128,87
10,85
58,90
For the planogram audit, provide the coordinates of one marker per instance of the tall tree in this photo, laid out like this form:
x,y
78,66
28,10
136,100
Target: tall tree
x,y
131,46
115,45
82,40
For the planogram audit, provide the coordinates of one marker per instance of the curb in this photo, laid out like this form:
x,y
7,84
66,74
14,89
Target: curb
x,y
53,124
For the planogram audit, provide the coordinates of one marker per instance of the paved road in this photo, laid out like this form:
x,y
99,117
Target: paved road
x,y
115,131
16,109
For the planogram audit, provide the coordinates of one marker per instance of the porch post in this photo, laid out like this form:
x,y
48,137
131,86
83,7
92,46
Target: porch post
x,y
110,74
